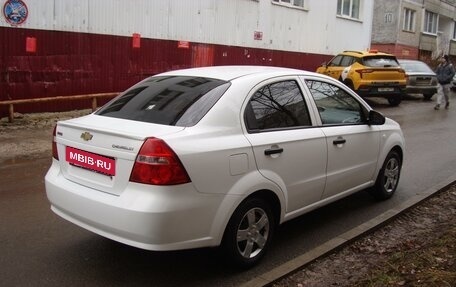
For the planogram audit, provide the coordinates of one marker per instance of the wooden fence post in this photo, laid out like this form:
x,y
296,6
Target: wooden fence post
x,y
10,113
94,104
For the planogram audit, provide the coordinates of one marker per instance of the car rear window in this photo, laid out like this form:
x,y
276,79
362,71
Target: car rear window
x,y
380,61
172,100
416,67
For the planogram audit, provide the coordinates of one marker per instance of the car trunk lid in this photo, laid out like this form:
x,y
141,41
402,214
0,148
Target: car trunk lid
x,y
99,152
381,68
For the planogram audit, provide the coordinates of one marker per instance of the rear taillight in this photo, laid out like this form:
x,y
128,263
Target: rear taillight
x,y
361,72
55,154
157,164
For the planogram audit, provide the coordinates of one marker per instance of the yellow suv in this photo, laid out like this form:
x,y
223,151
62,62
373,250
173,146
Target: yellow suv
x,y
369,74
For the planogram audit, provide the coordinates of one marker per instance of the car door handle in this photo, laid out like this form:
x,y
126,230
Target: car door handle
x,y
273,151
339,141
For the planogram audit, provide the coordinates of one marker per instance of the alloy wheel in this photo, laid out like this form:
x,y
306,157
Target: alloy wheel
x,y
252,232
391,175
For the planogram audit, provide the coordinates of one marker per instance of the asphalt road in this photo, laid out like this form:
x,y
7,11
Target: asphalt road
x,y
39,248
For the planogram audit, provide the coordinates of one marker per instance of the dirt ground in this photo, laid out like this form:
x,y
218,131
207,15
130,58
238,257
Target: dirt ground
x,y
30,135
416,249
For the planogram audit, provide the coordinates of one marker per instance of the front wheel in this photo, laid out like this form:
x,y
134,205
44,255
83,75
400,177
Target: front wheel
x,y
249,232
388,177
427,97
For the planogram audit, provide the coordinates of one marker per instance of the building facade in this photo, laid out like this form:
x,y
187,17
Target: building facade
x,y
415,29
53,48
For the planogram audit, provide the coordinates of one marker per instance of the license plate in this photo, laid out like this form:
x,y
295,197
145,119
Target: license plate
x,y
92,161
386,89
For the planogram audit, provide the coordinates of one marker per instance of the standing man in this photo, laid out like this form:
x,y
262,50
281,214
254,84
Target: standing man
x,y
445,73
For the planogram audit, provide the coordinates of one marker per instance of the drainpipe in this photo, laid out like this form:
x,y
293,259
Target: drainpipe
x,y
421,32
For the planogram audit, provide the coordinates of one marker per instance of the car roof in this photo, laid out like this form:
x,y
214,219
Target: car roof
x,y
366,53
410,61
410,66
229,73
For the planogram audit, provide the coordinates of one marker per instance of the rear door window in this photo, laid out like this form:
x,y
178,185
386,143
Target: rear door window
x,y
346,61
175,100
277,106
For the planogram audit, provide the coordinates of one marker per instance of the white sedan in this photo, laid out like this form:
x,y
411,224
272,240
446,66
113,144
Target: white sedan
x,y
219,156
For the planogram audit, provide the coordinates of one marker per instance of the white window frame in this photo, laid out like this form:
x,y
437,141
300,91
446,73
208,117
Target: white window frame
x,y
409,20
431,22
300,4
354,9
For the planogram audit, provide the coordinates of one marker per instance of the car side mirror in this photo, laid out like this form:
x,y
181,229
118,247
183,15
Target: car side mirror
x,y
376,118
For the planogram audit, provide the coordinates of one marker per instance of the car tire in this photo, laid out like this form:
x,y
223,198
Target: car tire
x,y
388,177
248,233
349,84
395,101
427,97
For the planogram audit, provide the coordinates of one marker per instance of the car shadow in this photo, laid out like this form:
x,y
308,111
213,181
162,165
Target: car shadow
x,y
381,103
111,263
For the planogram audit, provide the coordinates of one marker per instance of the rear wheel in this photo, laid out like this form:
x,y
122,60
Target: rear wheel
x,y
388,177
395,100
349,84
249,232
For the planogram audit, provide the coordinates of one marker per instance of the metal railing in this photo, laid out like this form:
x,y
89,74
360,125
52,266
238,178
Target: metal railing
x,y
94,97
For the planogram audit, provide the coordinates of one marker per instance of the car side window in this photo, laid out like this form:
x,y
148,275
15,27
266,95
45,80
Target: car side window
x,y
335,105
275,106
346,61
335,61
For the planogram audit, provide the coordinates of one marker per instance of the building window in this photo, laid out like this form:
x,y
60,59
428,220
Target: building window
x,y
290,3
348,8
409,20
454,30
430,22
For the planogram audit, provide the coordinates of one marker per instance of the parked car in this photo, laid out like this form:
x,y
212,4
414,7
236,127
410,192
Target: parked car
x,y
219,156
420,78
369,74
453,86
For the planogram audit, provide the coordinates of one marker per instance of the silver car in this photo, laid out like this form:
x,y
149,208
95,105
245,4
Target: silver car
x,y
420,78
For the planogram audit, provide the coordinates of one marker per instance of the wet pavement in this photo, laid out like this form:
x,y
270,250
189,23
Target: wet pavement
x,y
39,248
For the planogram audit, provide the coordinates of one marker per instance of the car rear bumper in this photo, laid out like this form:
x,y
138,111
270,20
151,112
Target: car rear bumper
x,y
421,90
380,91
143,216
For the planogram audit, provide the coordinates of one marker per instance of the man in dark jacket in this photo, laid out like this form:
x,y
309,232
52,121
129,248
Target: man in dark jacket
x,y
445,73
